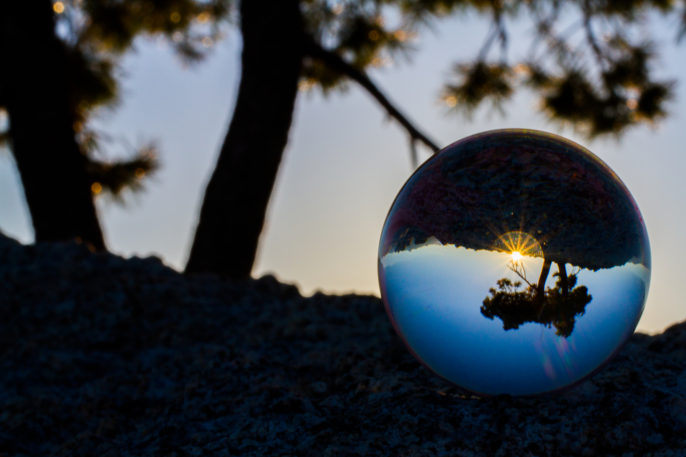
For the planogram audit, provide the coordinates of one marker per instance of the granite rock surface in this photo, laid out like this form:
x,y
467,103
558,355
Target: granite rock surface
x,y
106,356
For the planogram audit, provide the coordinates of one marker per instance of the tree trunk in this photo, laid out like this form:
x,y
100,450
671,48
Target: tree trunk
x,y
237,195
540,287
562,273
33,85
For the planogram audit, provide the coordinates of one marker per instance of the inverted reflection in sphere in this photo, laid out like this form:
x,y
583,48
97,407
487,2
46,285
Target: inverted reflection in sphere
x,y
514,262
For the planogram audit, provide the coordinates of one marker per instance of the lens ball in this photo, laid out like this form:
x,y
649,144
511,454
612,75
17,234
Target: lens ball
x,y
514,262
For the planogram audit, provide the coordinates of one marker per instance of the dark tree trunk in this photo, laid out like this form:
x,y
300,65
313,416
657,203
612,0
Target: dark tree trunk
x,y
562,273
540,287
33,85
237,195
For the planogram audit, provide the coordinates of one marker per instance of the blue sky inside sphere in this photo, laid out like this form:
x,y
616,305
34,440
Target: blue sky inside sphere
x,y
435,293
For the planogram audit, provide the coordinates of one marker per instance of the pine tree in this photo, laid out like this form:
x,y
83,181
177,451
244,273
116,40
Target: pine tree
x,y
60,65
589,64
595,74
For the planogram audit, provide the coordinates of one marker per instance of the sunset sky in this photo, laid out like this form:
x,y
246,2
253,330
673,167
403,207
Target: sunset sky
x,y
345,162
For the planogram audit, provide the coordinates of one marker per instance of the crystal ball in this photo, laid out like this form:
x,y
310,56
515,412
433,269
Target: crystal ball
x,y
514,262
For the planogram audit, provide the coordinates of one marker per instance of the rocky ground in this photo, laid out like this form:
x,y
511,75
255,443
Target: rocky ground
x,y
102,356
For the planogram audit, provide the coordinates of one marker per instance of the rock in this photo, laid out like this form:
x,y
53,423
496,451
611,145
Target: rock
x,y
105,356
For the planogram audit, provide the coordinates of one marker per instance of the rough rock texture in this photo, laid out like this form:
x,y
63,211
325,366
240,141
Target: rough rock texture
x,y
105,356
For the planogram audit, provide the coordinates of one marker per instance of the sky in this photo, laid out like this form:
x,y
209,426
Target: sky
x,y
346,161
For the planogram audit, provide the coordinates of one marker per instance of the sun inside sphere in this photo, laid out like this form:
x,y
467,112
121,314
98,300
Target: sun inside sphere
x,y
514,262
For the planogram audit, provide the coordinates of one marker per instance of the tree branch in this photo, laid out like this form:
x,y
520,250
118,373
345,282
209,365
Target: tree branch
x,y
338,64
521,274
590,35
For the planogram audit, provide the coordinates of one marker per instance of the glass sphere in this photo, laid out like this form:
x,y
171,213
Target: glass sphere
x,y
514,262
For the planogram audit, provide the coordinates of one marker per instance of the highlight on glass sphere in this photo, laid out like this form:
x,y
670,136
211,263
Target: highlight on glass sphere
x,y
514,262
